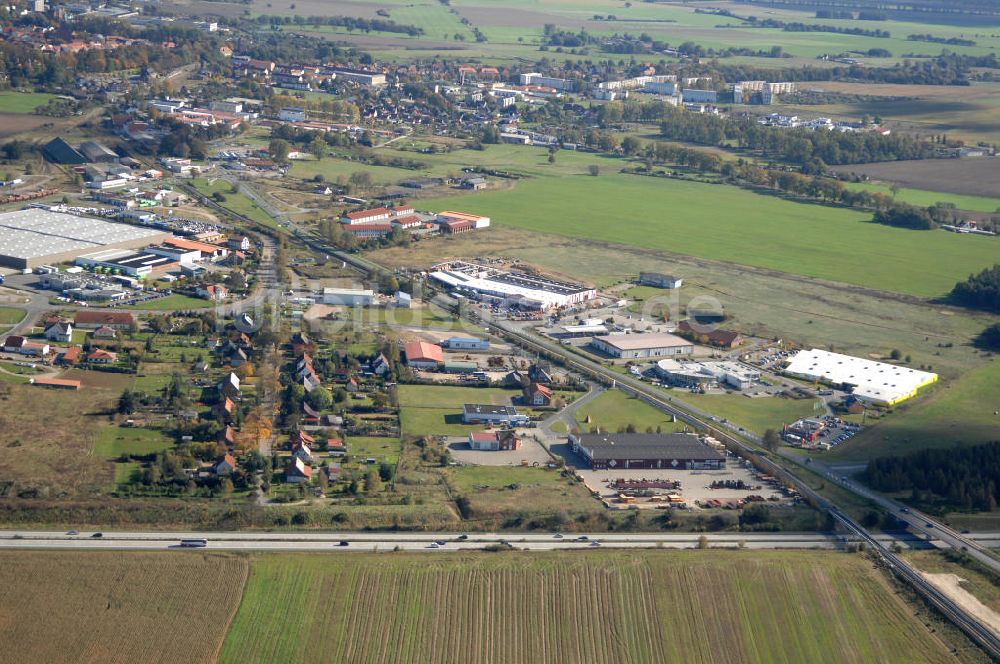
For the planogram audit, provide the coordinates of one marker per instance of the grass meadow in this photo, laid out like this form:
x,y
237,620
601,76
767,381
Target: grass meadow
x,y
12,101
730,224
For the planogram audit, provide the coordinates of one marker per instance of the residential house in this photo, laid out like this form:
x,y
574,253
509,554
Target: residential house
x,y
297,472
227,437
101,356
71,356
104,332
303,451
230,386
214,292
225,465
310,415
537,394
61,332
336,447
22,346
239,243
537,374
224,409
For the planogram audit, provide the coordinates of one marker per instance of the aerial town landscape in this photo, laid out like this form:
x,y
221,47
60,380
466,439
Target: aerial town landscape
x,y
481,331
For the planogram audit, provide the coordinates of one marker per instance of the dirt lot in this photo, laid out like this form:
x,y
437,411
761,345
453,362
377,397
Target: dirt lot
x,y
974,176
951,585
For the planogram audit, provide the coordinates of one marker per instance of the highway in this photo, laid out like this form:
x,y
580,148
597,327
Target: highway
x,y
422,541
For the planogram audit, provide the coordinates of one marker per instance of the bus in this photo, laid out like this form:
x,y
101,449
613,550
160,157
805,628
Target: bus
x,y
194,543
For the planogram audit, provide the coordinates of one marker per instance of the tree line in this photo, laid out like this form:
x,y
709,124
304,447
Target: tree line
x,y
349,22
964,478
796,146
979,291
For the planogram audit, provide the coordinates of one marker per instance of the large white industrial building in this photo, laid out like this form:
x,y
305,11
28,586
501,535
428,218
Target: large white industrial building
x,y
520,288
34,236
876,383
351,297
693,374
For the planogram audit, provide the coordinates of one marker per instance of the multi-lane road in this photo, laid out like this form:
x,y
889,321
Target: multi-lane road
x,y
423,541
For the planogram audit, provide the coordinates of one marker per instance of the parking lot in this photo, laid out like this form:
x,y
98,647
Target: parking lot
x,y
531,452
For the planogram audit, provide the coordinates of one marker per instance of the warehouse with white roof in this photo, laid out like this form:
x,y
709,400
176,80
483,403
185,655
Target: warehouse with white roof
x,y
33,237
482,282
875,383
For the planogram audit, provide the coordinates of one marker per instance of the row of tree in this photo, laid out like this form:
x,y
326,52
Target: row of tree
x,y
979,291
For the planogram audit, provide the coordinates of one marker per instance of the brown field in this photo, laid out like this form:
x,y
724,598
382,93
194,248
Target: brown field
x,y
47,440
973,177
116,607
18,123
597,607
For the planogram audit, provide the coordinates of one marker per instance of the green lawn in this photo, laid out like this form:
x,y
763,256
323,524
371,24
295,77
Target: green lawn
x,y
958,412
114,441
730,224
445,396
11,315
468,479
360,448
757,415
172,303
614,409
12,101
660,606
238,203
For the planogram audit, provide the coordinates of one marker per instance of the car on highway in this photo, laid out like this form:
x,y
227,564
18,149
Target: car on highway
x,y
98,535
73,532
440,542
558,536
434,545
595,543
582,538
928,525
343,543
905,510
463,537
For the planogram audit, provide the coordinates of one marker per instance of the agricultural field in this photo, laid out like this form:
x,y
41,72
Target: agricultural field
x,y
924,198
12,101
117,607
614,409
966,177
718,222
661,606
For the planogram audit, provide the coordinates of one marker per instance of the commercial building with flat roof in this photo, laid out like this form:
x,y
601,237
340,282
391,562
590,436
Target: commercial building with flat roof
x,y
691,374
34,236
874,383
131,263
625,451
491,413
646,344
350,297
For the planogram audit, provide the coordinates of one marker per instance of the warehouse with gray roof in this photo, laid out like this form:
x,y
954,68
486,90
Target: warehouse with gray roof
x,y
33,237
624,451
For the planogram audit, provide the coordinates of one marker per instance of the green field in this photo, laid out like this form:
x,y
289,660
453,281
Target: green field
x,y
361,447
237,203
10,315
962,412
113,442
436,410
12,101
731,224
927,198
757,414
543,607
614,409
